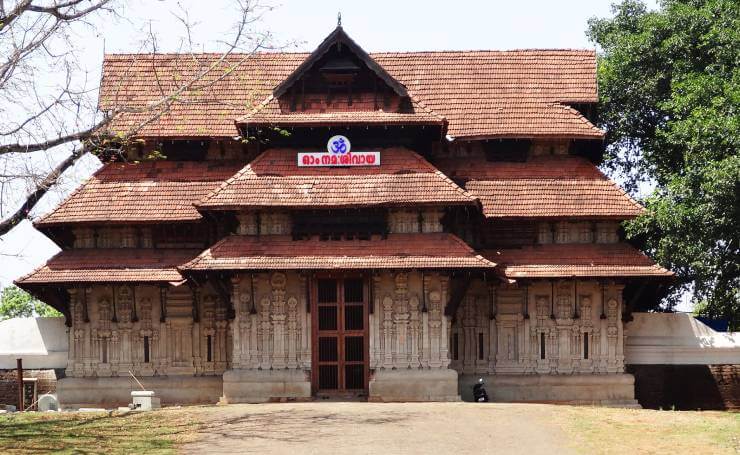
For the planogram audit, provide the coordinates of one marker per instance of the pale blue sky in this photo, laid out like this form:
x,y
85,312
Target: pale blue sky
x,y
378,25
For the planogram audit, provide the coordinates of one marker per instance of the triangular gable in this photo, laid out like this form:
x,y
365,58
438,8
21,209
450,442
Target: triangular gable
x,y
340,38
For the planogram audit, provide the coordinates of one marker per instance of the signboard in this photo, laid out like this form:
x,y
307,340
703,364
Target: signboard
x,y
338,154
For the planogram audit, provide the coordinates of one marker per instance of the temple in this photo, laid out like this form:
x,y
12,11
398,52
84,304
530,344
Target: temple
x,y
339,224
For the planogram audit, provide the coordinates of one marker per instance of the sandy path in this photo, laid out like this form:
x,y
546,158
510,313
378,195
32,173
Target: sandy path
x,y
379,428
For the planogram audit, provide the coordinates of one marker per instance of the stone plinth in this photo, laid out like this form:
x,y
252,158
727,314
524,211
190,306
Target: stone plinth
x,y
109,393
414,385
259,386
598,389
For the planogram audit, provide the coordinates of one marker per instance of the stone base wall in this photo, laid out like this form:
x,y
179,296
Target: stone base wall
x,y
687,387
606,389
260,386
114,392
414,385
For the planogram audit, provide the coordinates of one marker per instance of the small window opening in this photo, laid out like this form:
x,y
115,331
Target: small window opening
x,y
543,354
104,351
585,345
209,349
455,346
480,346
146,349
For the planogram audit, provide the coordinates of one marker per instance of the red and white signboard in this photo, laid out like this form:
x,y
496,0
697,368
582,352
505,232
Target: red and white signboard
x,y
318,159
338,154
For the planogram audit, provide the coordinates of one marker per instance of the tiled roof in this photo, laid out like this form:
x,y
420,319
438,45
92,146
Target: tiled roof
x,y
518,93
580,260
274,180
281,252
152,191
270,113
547,186
111,265
521,93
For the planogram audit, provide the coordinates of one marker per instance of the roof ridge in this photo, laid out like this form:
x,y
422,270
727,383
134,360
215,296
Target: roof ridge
x,y
579,115
256,109
226,182
470,249
589,51
621,190
449,181
420,103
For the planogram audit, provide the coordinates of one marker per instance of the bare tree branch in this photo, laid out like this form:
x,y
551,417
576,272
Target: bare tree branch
x,y
35,33
45,145
42,188
59,12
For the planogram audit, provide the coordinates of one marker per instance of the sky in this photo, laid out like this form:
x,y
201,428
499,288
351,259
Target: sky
x,y
379,25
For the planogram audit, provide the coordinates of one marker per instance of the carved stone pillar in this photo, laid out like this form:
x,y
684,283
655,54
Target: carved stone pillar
x,y
436,333
304,323
401,321
278,281
293,333
375,319
446,327
388,332
219,348
265,348
426,303
236,326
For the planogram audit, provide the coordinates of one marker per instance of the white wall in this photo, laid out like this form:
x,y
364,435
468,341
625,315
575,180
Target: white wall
x,y
40,342
678,339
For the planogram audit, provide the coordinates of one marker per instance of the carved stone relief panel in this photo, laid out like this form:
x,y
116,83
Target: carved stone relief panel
x,y
271,332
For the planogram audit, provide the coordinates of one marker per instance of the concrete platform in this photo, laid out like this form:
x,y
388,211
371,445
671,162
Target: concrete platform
x,y
110,393
597,389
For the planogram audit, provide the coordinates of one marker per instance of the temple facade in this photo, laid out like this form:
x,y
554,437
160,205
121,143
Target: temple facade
x,y
339,224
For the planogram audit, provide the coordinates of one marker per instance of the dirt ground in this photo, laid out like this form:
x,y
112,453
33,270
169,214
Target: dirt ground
x,y
379,428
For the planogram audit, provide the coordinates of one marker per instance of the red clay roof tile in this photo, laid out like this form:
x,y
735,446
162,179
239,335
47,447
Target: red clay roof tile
x,y
542,187
522,93
575,260
274,252
145,192
275,180
111,265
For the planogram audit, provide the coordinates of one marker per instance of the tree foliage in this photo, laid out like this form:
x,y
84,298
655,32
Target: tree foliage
x,y
669,88
17,303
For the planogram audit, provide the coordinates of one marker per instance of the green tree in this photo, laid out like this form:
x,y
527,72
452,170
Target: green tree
x,y
669,89
17,303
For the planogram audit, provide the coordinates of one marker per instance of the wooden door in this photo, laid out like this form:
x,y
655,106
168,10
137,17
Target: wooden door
x,y
339,314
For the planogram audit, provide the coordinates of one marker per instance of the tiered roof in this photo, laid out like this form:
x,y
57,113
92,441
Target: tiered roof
x,y
146,192
470,95
543,187
587,260
277,252
275,180
111,265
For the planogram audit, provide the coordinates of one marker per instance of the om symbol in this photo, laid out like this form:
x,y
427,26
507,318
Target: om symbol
x,y
338,145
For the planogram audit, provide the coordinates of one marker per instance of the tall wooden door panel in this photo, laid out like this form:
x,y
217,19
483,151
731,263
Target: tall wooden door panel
x,y
340,327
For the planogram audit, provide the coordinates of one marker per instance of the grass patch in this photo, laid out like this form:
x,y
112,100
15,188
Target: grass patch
x,y
104,432
607,430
